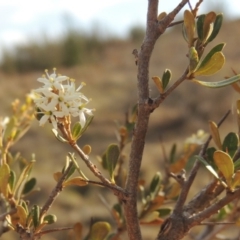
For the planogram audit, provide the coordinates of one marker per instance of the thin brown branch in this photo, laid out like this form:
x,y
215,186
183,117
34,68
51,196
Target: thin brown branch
x,y
163,24
40,234
163,96
153,31
55,192
118,191
230,196
186,186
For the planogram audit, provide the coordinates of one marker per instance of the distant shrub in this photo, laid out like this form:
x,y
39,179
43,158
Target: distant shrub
x,y
136,33
75,47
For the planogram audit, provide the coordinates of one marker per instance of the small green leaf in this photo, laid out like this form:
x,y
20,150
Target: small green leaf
x,y
215,134
71,171
217,48
209,155
163,212
214,64
225,165
166,77
104,161
29,185
208,166
230,143
88,122
99,231
216,27
12,180
112,155
218,84
76,131
24,174
58,136
35,215
173,153
155,182
237,164
50,219
200,22
118,209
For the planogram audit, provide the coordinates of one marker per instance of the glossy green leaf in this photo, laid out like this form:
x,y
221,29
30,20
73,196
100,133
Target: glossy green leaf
x,y
76,131
88,122
118,209
163,212
225,165
214,64
166,78
215,134
71,171
208,166
218,84
173,153
29,185
200,22
154,185
99,231
209,155
36,215
104,161
112,155
12,180
237,164
58,136
50,219
217,48
216,27
189,25
230,143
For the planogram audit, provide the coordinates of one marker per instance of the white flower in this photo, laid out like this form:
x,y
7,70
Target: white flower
x,y
56,100
52,81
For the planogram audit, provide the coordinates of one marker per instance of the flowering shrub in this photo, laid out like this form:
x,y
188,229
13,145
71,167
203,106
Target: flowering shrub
x,y
163,203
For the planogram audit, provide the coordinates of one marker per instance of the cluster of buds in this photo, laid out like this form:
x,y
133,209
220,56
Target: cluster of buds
x,y
56,101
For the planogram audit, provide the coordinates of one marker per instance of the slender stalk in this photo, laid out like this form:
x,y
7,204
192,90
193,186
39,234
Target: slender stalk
x,y
145,107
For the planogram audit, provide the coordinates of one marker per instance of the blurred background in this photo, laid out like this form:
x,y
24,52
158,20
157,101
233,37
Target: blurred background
x,y
92,42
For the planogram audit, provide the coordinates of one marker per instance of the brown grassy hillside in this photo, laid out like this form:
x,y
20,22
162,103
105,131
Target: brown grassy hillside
x,y
111,83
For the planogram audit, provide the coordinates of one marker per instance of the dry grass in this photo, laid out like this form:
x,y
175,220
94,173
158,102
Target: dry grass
x,y
111,83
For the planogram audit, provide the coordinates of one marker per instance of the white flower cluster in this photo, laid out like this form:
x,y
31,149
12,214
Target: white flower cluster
x,y
55,100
